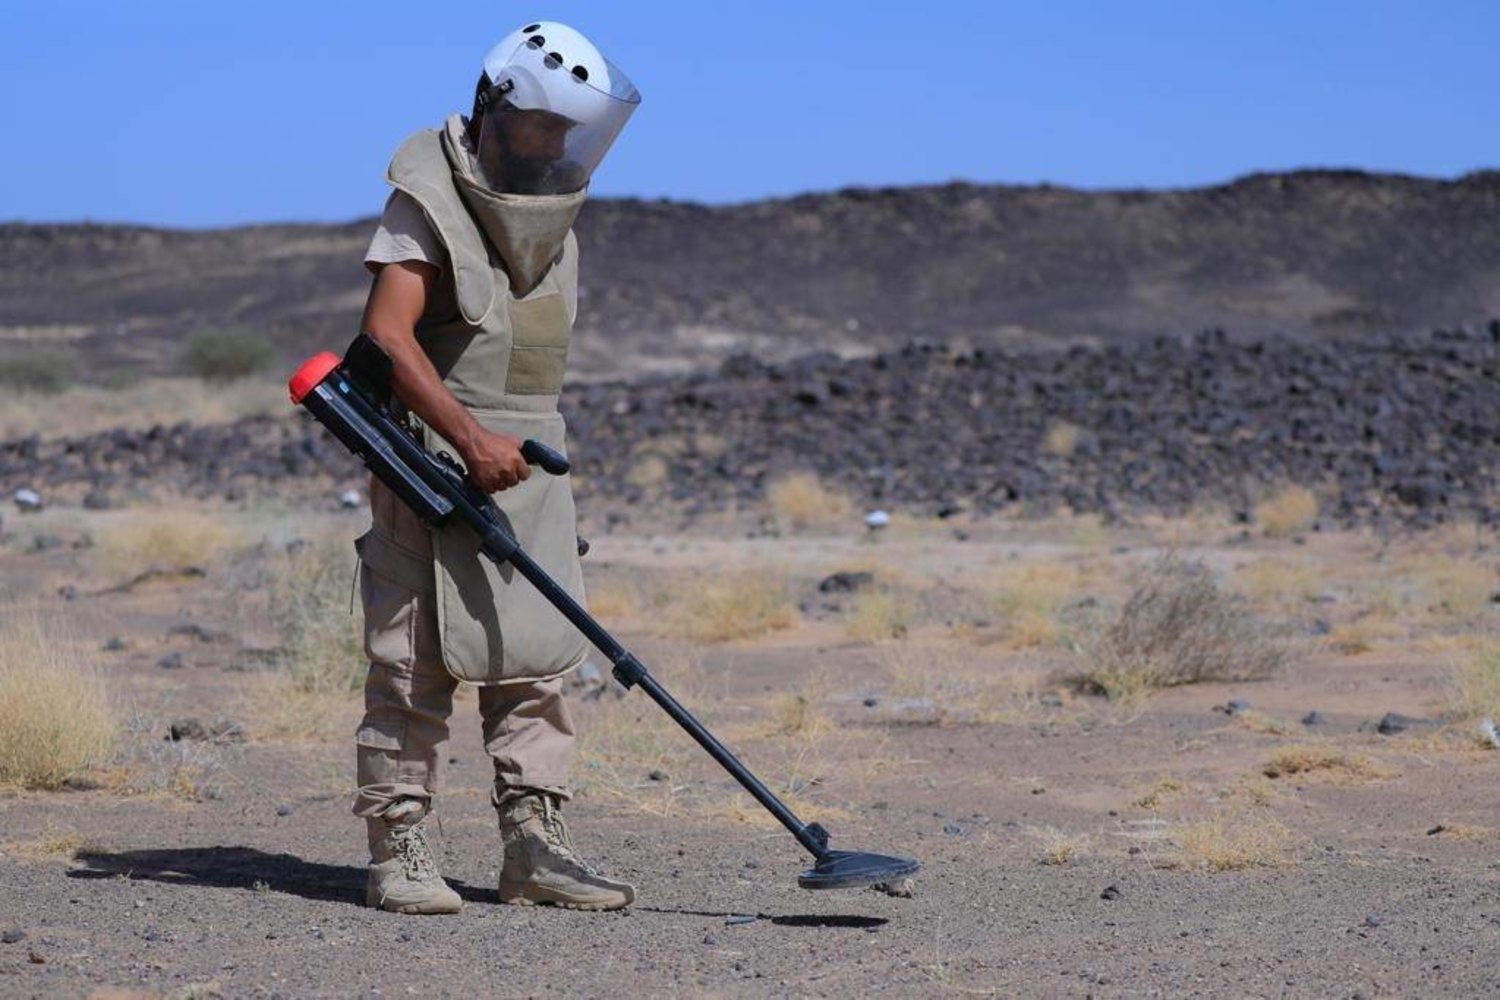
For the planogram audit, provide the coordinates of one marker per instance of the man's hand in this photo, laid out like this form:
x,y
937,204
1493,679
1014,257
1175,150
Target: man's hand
x,y
494,461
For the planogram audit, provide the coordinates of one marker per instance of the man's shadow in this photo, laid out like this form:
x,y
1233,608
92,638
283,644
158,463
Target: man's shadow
x,y
247,869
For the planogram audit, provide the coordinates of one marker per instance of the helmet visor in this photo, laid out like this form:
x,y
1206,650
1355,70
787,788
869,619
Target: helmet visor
x,y
545,125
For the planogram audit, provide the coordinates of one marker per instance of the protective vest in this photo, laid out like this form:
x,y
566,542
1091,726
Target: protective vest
x,y
501,351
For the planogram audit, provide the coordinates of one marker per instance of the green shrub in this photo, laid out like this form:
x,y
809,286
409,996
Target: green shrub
x,y
41,369
225,355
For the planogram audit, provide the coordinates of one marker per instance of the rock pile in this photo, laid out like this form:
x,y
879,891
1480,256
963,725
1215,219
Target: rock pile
x,y
1400,430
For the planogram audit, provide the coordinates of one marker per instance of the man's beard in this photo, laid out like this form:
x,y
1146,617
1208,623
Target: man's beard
x,y
541,175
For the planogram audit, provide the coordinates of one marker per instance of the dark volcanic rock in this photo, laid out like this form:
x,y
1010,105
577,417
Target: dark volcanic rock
x,y
1389,430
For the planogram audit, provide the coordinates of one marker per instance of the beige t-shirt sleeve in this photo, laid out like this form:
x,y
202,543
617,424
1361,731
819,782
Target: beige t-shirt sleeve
x,y
404,234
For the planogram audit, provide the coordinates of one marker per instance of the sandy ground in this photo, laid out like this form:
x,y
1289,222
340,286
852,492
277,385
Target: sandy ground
x,y
1070,846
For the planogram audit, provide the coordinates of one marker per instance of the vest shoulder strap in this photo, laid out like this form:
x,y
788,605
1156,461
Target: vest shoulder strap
x,y
421,169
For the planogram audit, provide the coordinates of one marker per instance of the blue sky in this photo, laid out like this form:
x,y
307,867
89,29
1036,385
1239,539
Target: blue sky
x,y
199,114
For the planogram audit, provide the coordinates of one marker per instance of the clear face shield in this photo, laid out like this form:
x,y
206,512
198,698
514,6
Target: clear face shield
x,y
545,124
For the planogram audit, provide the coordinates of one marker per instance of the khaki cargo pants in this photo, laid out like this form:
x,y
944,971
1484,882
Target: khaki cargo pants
x,y
401,744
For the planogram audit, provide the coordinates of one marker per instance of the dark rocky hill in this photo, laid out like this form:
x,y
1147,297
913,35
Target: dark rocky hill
x,y
671,286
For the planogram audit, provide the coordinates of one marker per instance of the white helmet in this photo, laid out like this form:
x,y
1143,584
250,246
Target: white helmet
x,y
556,74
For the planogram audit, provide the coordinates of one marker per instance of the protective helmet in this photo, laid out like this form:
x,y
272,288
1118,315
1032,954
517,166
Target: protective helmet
x,y
551,105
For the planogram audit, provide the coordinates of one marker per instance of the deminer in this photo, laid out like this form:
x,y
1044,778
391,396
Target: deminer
x,y
474,296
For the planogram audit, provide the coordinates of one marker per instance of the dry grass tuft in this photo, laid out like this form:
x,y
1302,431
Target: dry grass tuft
x,y
51,844
57,719
1278,581
164,539
802,500
1309,758
1290,510
1177,627
1365,634
1153,797
1474,685
877,614
735,604
1061,439
1058,847
1232,842
321,660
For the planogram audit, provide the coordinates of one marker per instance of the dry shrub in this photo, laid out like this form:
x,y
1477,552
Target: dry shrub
x,y
1262,722
1290,510
1058,847
735,604
311,589
1309,758
1461,588
50,844
1061,439
321,661
802,500
1152,798
164,539
878,614
614,598
1232,842
1364,634
1474,685
1176,627
1279,581
648,472
57,719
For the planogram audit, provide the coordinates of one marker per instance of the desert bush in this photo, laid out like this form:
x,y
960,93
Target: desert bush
x,y
322,643
1231,842
163,538
225,355
56,716
738,604
1306,759
877,614
1058,847
1061,439
1291,509
1175,628
38,369
802,499
1474,685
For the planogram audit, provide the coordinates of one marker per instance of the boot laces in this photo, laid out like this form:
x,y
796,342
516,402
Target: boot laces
x,y
411,847
558,837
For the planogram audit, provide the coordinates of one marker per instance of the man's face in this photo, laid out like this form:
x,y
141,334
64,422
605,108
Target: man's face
x,y
522,148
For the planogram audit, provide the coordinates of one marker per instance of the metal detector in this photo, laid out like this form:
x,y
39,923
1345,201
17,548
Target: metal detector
x,y
351,397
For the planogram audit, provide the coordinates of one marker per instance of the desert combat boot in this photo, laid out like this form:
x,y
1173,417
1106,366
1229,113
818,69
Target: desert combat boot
x,y
541,865
403,875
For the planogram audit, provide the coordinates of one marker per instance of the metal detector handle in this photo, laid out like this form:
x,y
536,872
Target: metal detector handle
x,y
549,459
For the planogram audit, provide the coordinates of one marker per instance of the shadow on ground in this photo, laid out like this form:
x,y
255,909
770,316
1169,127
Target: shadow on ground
x,y
244,868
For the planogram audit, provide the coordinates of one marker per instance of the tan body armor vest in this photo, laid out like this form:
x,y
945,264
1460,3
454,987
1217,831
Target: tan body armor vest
x,y
502,356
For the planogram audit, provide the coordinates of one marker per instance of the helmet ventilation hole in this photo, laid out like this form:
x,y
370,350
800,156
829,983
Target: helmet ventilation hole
x,y
530,28
536,41
581,72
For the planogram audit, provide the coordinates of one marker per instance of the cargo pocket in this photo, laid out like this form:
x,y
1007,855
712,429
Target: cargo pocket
x,y
539,345
390,620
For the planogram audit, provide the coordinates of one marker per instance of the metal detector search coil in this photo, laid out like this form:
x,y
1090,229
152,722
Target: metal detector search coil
x,y
351,397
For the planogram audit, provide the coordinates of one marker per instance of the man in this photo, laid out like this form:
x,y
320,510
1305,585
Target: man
x,y
475,291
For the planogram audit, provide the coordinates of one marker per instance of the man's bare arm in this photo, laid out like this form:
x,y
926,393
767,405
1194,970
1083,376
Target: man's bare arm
x,y
395,305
